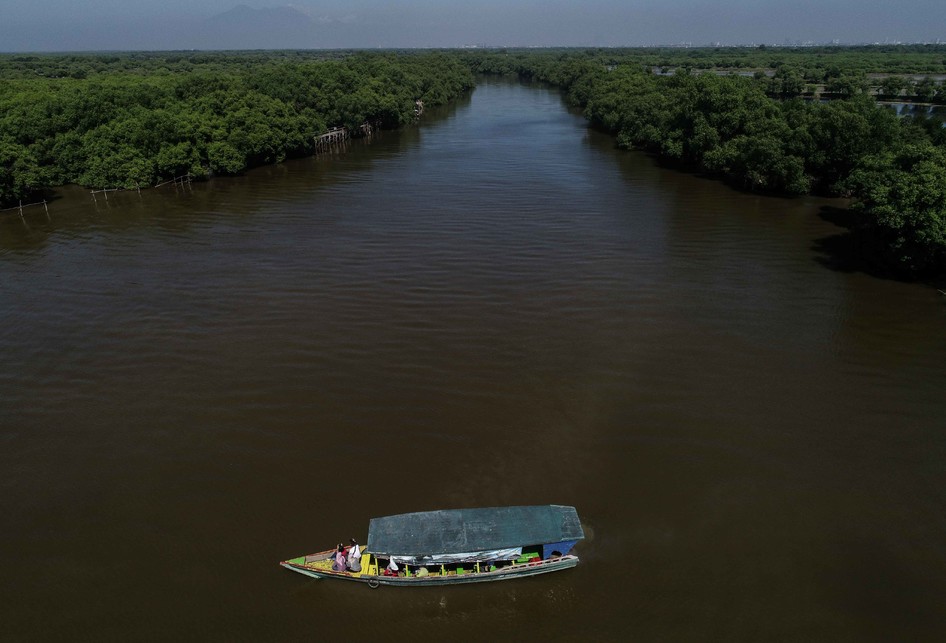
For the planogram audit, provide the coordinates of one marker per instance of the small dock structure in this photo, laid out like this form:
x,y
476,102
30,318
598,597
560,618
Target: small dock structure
x,y
337,137
332,139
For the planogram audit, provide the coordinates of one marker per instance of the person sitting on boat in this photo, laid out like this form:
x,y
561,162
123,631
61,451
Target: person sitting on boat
x,y
391,569
339,564
354,556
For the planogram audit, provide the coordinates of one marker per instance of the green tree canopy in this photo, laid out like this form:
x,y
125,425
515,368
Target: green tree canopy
x,y
902,198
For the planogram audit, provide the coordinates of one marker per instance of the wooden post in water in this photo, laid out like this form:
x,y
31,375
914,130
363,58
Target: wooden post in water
x,y
22,218
47,210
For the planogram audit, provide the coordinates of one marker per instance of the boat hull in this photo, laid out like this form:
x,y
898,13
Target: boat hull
x,y
519,570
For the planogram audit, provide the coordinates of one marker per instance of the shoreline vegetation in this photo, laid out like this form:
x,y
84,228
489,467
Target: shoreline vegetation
x,y
135,120
760,133
754,117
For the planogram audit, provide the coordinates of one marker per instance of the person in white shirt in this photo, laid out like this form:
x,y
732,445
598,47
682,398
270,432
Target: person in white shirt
x,y
354,556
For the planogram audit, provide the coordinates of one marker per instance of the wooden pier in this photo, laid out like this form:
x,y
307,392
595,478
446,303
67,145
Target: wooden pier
x,y
331,140
337,137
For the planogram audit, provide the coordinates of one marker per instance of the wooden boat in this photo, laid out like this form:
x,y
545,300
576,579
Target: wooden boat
x,y
455,546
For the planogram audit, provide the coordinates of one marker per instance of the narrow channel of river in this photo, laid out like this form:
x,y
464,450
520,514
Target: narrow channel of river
x,y
496,307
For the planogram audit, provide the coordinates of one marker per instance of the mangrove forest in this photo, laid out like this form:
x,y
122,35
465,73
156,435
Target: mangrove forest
x,y
779,121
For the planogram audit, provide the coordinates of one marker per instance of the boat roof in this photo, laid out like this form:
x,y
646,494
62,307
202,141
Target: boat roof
x,y
471,530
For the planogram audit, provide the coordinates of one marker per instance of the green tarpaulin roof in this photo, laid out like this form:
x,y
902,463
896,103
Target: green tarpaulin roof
x,y
471,530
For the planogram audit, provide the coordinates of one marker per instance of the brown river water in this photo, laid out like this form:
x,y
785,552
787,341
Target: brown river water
x,y
496,307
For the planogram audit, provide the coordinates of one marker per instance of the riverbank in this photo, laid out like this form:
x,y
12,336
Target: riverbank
x,y
731,128
123,128
140,119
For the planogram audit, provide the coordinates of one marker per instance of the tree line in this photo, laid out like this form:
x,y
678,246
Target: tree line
x,y
737,129
137,119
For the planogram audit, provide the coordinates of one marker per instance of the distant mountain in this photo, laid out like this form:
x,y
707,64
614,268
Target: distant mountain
x,y
350,25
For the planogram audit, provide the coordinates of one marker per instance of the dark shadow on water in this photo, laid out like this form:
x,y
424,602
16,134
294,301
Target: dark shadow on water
x,y
689,169
852,251
841,217
840,252
844,252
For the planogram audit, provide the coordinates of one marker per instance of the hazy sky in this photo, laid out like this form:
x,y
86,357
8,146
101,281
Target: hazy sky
x,y
57,25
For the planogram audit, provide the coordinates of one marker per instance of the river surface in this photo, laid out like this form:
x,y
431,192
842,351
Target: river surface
x,y
496,307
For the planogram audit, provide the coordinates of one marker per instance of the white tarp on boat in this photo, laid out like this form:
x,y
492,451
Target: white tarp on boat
x,y
510,553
